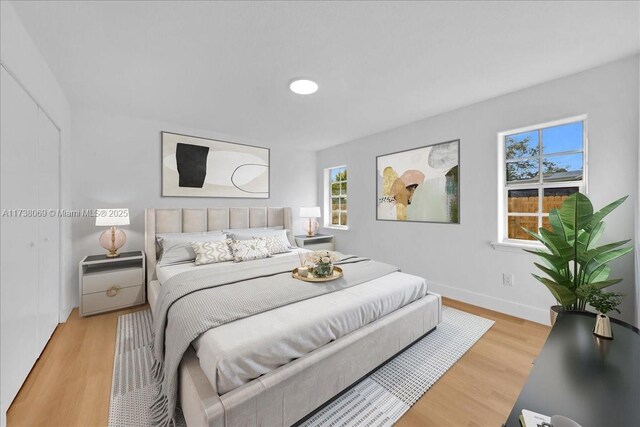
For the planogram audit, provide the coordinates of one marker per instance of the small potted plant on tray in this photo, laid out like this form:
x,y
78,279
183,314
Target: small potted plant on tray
x,y
323,263
604,302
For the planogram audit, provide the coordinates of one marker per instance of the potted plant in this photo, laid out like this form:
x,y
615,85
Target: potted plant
x,y
571,259
604,302
323,263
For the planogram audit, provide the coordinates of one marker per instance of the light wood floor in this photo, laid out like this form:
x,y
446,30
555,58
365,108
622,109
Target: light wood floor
x,y
70,384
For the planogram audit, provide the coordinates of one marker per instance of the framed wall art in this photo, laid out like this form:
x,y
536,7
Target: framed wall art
x,y
420,185
201,167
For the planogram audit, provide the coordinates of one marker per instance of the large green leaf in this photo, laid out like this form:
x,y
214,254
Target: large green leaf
x,y
562,294
534,235
594,234
599,274
598,216
581,245
586,257
582,240
563,269
575,213
556,224
604,258
556,244
605,283
557,276
553,259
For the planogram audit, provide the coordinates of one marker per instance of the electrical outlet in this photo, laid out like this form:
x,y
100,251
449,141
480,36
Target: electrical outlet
x,y
507,279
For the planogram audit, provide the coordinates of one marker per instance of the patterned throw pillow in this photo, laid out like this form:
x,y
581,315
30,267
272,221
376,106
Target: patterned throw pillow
x,y
252,233
275,244
210,252
247,250
176,247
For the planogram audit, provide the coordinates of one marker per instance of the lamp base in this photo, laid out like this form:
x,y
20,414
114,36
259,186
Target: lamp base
x,y
112,240
312,227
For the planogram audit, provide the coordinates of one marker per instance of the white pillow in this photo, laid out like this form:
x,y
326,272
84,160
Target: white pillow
x,y
247,250
247,234
176,247
276,245
261,231
211,252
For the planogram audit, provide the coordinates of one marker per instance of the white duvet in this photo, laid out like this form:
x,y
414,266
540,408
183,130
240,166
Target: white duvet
x,y
238,352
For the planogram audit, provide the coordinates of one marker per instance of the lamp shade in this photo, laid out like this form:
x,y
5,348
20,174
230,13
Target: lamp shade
x,y
310,212
112,217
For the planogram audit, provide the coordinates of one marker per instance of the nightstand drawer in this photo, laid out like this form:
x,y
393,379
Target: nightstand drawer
x,y
124,278
122,297
319,242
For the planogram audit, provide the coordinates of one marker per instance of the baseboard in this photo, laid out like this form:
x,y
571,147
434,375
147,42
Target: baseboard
x,y
64,314
511,308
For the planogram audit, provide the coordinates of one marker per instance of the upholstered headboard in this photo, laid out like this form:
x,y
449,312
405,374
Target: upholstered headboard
x,y
192,220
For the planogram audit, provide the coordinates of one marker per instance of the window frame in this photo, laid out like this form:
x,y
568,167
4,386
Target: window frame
x,y
504,187
328,196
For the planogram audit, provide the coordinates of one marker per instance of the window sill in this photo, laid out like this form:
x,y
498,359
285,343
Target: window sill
x,y
515,246
333,227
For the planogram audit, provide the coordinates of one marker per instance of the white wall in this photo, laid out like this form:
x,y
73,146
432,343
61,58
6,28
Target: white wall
x,y
21,58
116,162
458,260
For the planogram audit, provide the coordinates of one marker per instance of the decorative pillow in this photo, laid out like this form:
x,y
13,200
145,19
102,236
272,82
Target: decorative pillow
x,y
282,235
276,245
210,252
176,247
263,231
247,250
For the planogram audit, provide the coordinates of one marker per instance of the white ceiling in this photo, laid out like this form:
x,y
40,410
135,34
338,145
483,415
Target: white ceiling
x,y
226,66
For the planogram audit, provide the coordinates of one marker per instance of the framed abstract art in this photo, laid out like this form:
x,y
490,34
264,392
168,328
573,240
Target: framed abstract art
x,y
200,167
420,185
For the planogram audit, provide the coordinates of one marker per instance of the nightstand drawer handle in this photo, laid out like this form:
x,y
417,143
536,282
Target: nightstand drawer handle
x,y
113,291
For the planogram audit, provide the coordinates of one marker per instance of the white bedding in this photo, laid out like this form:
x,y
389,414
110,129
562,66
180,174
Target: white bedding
x,y
165,272
235,353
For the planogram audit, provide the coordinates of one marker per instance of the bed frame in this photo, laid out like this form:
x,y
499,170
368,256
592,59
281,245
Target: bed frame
x,y
291,392
190,220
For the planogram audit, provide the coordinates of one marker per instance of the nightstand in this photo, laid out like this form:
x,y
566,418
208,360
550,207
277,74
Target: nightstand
x,y
316,243
111,283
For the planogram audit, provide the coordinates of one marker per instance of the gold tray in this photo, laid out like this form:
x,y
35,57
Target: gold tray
x,y
337,273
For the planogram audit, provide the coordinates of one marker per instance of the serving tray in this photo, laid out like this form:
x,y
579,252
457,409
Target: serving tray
x,y
337,273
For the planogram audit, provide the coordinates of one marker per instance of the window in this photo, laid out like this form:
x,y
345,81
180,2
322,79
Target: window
x,y
336,197
540,167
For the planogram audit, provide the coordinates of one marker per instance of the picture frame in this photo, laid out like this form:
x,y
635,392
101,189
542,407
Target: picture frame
x,y
419,184
193,166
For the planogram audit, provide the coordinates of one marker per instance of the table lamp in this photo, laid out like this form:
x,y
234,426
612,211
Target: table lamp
x,y
113,238
311,212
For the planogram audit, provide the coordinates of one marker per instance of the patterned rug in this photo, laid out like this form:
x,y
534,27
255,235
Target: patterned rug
x,y
378,400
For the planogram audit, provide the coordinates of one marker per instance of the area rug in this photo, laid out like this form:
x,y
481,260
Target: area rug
x,y
378,400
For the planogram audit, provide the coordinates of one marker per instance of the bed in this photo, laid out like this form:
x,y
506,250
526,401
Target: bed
x,y
266,369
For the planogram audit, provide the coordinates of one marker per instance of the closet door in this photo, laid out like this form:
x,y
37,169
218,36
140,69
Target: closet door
x,y
48,228
19,261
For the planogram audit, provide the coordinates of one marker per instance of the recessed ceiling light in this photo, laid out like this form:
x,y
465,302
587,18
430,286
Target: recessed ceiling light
x,y
303,86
